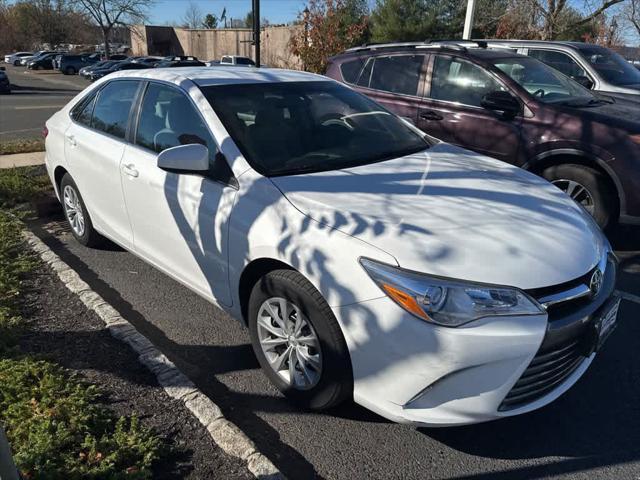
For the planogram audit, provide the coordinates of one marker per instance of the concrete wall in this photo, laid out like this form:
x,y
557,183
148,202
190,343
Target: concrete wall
x,y
213,44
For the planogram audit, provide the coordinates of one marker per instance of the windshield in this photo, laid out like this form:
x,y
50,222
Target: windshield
x,y
543,82
613,68
298,127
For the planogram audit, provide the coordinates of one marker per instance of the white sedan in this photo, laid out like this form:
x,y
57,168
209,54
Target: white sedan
x,y
432,285
16,58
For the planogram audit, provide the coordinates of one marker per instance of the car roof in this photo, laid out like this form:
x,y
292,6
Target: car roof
x,y
207,76
541,43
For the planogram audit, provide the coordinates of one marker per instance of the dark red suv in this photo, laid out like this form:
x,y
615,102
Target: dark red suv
x,y
514,108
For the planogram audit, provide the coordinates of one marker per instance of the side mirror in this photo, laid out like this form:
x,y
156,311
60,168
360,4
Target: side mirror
x,y
184,158
584,81
502,102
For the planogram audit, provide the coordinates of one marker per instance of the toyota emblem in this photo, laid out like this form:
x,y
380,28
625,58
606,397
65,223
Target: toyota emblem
x,y
596,282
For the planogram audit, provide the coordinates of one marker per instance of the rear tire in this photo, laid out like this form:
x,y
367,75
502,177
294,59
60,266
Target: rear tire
x,y
598,196
69,71
332,379
76,213
16,63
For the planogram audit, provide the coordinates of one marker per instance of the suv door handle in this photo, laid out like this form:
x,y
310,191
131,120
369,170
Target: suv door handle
x,y
430,115
130,170
72,140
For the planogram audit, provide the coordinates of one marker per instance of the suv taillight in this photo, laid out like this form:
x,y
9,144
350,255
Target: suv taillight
x,y
45,132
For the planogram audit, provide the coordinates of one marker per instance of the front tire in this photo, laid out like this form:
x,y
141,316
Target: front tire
x,y
76,213
298,341
587,187
16,63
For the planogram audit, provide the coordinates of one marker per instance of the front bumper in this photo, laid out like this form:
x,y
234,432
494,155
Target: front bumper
x,y
410,371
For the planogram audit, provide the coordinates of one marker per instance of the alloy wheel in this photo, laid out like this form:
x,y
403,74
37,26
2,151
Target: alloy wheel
x,y
289,343
578,192
73,210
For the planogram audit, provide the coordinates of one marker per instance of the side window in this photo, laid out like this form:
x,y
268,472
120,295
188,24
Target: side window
x,y
82,112
350,70
455,80
397,74
560,61
112,108
365,76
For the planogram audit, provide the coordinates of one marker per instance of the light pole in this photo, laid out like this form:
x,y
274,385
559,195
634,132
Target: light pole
x,y
256,29
468,19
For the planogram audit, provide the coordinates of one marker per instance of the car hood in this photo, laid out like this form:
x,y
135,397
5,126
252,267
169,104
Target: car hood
x,y
450,212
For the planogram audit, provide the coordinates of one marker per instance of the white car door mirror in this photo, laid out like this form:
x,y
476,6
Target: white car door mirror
x,y
184,158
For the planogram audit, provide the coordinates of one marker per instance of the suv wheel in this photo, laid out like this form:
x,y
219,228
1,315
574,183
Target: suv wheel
x,y
588,187
69,71
76,213
16,63
298,342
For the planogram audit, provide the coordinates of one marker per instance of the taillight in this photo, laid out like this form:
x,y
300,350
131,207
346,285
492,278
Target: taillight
x,y
45,131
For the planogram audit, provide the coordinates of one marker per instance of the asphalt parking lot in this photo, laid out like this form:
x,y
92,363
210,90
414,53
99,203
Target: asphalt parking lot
x,y
34,98
592,432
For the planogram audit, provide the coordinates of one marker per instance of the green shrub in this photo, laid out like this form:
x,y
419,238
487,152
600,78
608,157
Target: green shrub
x,y
58,430
20,185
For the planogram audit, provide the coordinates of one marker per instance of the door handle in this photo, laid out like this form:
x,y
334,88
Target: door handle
x,y
130,170
72,140
430,115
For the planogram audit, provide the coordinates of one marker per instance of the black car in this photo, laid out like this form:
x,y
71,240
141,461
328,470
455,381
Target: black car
x,y
71,64
5,85
103,65
42,62
97,74
148,61
180,61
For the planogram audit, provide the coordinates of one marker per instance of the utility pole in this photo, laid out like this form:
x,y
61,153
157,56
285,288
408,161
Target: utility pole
x,y
468,19
256,30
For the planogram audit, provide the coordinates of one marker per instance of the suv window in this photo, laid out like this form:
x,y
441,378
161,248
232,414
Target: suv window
x,y
459,81
560,61
350,70
397,74
111,112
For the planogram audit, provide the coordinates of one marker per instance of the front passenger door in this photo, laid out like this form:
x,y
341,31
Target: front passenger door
x,y
452,110
179,220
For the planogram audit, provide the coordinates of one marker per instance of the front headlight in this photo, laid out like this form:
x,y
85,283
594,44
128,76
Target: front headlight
x,y
635,138
449,303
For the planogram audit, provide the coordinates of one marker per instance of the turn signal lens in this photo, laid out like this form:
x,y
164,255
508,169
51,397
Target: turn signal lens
x,y
405,300
45,132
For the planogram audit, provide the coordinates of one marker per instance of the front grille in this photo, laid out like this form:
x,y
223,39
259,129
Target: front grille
x,y
546,371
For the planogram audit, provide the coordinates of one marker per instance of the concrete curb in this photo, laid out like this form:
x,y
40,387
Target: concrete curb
x,y
224,433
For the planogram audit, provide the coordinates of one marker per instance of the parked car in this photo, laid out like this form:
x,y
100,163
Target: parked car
x,y
433,285
14,58
148,61
42,62
179,61
593,66
99,73
71,64
237,60
104,64
513,108
119,56
5,84
24,61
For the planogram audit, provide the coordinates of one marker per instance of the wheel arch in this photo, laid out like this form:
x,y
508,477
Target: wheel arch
x,y
58,173
578,157
250,275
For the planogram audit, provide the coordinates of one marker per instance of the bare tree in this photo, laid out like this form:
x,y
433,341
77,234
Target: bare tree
x,y
193,16
113,13
552,12
632,13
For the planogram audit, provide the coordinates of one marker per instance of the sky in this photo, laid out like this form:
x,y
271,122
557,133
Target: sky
x,y
276,11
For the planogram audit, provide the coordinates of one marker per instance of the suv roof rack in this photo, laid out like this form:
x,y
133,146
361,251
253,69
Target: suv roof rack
x,y
460,45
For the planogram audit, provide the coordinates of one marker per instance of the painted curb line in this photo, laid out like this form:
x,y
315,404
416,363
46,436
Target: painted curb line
x,y
225,434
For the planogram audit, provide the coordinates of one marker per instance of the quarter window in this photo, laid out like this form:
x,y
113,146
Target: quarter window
x,y
83,111
560,61
350,70
397,74
459,81
112,108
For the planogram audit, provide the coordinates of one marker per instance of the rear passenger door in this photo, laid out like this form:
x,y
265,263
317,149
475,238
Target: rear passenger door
x,y
94,145
395,81
452,109
179,220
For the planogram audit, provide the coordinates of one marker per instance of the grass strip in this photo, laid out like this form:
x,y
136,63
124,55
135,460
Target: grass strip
x,y
26,145
22,185
55,423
